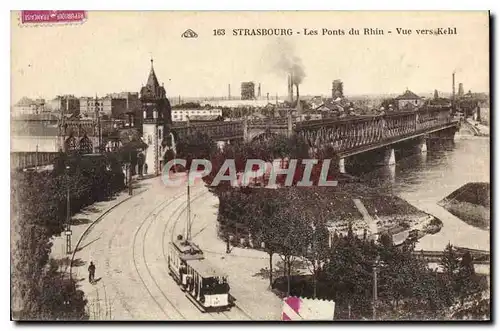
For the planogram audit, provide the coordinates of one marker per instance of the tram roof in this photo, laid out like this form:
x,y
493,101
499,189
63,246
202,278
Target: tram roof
x,y
185,246
205,269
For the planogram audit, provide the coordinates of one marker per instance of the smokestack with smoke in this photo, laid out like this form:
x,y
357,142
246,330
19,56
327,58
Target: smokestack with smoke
x,y
284,62
290,88
299,105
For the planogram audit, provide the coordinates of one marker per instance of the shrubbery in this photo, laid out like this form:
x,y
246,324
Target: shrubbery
x,y
38,208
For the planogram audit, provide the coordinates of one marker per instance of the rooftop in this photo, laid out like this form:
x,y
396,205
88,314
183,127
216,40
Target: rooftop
x,y
205,269
408,95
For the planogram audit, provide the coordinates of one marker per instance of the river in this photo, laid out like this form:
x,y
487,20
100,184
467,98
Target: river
x,y
425,179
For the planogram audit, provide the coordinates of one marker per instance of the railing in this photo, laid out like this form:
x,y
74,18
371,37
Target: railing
x,y
23,160
351,133
216,130
436,256
342,133
268,122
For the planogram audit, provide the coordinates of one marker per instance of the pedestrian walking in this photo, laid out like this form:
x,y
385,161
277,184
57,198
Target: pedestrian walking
x,y
145,168
91,272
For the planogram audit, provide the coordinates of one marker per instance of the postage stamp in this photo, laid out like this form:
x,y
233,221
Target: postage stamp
x,y
250,166
48,17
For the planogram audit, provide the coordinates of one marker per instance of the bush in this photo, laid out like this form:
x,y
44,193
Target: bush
x,y
38,212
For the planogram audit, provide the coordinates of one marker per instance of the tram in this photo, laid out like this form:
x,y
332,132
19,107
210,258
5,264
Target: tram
x,y
203,284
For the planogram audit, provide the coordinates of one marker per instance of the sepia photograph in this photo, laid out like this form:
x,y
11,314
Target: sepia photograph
x,y
250,166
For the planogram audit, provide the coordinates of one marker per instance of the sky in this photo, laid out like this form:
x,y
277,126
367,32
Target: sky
x,y
111,52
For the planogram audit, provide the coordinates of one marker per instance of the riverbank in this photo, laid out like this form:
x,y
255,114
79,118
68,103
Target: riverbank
x,y
365,210
470,203
478,128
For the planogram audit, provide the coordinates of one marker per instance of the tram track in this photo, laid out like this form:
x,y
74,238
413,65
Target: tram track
x,y
152,216
171,310
156,210
118,292
215,315
88,231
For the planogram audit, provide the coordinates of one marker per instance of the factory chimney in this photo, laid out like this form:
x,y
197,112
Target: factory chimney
x,y
290,88
258,92
460,90
453,87
229,91
299,104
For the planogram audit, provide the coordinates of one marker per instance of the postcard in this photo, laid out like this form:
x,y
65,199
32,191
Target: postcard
x,y
250,166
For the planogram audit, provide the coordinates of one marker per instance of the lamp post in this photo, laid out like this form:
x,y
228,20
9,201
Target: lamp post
x,y
68,231
130,165
130,174
36,158
376,265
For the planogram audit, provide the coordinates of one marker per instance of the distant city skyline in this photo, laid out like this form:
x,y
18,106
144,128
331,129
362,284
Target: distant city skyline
x,y
111,53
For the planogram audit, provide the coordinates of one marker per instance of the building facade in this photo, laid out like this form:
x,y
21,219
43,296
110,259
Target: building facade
x,y
181,115
409,101
28,106
115,106
247,91
68,104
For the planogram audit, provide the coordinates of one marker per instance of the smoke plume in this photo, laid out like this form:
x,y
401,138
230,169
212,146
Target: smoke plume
x,y
284,62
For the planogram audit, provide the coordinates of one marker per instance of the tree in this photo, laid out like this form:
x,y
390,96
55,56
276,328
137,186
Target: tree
x,y
195,146
266,223
389,103
466,280
450,262
317,252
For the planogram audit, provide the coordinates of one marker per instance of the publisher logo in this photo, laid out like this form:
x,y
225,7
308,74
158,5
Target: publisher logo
x,y
189,34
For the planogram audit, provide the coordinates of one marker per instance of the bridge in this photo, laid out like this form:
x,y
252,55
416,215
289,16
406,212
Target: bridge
x,y
478,256
347,137
84,136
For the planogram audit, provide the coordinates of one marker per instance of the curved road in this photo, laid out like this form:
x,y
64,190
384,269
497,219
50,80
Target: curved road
x,y
129,247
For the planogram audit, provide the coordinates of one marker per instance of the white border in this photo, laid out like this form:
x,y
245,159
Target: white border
x,y
192,5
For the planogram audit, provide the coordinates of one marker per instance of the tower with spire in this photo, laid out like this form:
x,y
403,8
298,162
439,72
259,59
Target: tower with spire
x,y
157,121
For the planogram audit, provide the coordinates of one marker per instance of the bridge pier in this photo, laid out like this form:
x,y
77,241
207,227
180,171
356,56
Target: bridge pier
x,y
389,156
422,145
245,130
442,139
221,144
342,166
289,130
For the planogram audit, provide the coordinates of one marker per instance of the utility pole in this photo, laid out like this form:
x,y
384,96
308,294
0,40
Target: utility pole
x,y
68,215
188,225
130,174
228,247
36,158
375,270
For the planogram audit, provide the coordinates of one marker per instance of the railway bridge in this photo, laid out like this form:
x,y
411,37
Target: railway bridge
x,y
354,140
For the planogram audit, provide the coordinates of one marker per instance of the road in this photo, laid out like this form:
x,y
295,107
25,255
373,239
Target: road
x,y
129,248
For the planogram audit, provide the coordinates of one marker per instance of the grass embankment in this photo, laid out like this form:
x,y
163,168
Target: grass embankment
x,y
470,203
391,213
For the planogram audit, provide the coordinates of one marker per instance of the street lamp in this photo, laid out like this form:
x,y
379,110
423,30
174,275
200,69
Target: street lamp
x,y
376,266
130,174
68,231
